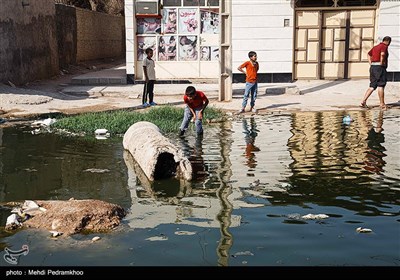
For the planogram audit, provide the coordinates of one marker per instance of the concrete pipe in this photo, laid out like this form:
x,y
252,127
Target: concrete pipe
x,y
155,154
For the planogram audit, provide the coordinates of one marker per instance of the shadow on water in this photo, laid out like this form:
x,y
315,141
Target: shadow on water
x,y
253,178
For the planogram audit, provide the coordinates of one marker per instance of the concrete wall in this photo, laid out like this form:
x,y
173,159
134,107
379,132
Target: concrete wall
x,y
66,35
258,26
389,25
28,44
99,35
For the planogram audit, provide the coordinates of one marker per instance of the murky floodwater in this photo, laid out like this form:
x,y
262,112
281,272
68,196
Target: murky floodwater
x,y
255,179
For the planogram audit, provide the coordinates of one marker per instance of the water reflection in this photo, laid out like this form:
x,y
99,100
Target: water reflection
x,y
249,175
195,155
177,201
375,153
250,134
330,159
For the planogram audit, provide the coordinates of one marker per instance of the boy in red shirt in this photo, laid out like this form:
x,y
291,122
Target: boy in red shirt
x,y
378,59
196,101
251,81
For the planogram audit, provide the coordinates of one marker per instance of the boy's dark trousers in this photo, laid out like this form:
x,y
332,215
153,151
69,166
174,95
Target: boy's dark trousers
x,y
148,91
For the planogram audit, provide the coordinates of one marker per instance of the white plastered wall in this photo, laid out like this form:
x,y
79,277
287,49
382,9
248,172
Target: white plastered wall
x,y
388,24
258,25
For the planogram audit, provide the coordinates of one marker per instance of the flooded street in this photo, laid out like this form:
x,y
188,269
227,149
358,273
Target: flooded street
x,y
256,180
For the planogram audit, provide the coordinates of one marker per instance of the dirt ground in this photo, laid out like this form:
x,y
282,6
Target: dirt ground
x,y
47,96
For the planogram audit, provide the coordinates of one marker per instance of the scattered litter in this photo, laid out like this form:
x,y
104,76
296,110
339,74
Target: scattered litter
x,y
157,238
36,131
101,133
96,238
55,233
30,169
182,232
46,122
96,170
30,207
363,230
314,217
12,221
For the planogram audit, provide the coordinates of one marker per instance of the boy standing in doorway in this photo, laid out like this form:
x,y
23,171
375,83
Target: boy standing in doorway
x,y
251,87
149,77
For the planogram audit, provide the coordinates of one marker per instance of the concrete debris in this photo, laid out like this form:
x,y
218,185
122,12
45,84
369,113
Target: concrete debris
x,y
155,154
66,217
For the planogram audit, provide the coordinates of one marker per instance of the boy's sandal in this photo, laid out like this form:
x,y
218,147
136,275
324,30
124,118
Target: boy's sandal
x,y
384,107
364,105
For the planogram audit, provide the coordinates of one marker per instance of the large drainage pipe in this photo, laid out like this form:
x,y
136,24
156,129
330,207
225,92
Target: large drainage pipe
x,y
155,154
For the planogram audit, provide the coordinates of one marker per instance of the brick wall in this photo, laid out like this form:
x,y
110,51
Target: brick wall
x,y
99,35
39,38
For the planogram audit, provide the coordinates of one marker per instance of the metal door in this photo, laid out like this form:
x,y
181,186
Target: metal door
x,y
333,44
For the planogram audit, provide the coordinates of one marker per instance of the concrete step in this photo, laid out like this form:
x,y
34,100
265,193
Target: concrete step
x,y
114,76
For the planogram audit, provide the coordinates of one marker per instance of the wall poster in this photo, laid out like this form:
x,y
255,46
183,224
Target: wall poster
x,y
145,42
148,25
188,21
167,48
209,21
169,21
188,48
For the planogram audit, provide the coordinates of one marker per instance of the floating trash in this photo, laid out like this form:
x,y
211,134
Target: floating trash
x,y
157,238
314,217
96,238
46,122
96,170
101,133
347,120
245,253
55,233
182,232
363,230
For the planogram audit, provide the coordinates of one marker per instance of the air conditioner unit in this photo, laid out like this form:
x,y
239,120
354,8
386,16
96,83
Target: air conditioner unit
x,y
147,7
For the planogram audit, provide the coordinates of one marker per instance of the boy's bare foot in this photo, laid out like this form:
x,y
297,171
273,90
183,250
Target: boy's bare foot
x,y
364,105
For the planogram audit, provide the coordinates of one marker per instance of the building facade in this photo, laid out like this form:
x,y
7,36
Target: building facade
x,y
294,39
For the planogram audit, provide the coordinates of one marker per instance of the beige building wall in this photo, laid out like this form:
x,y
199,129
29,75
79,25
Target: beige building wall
x,y
99,35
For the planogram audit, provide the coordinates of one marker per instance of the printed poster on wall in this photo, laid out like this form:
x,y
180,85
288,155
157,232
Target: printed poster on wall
x,y
214,53
167,48
145,42
208,53
188,21
148,25
170,21
209,21
188,48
